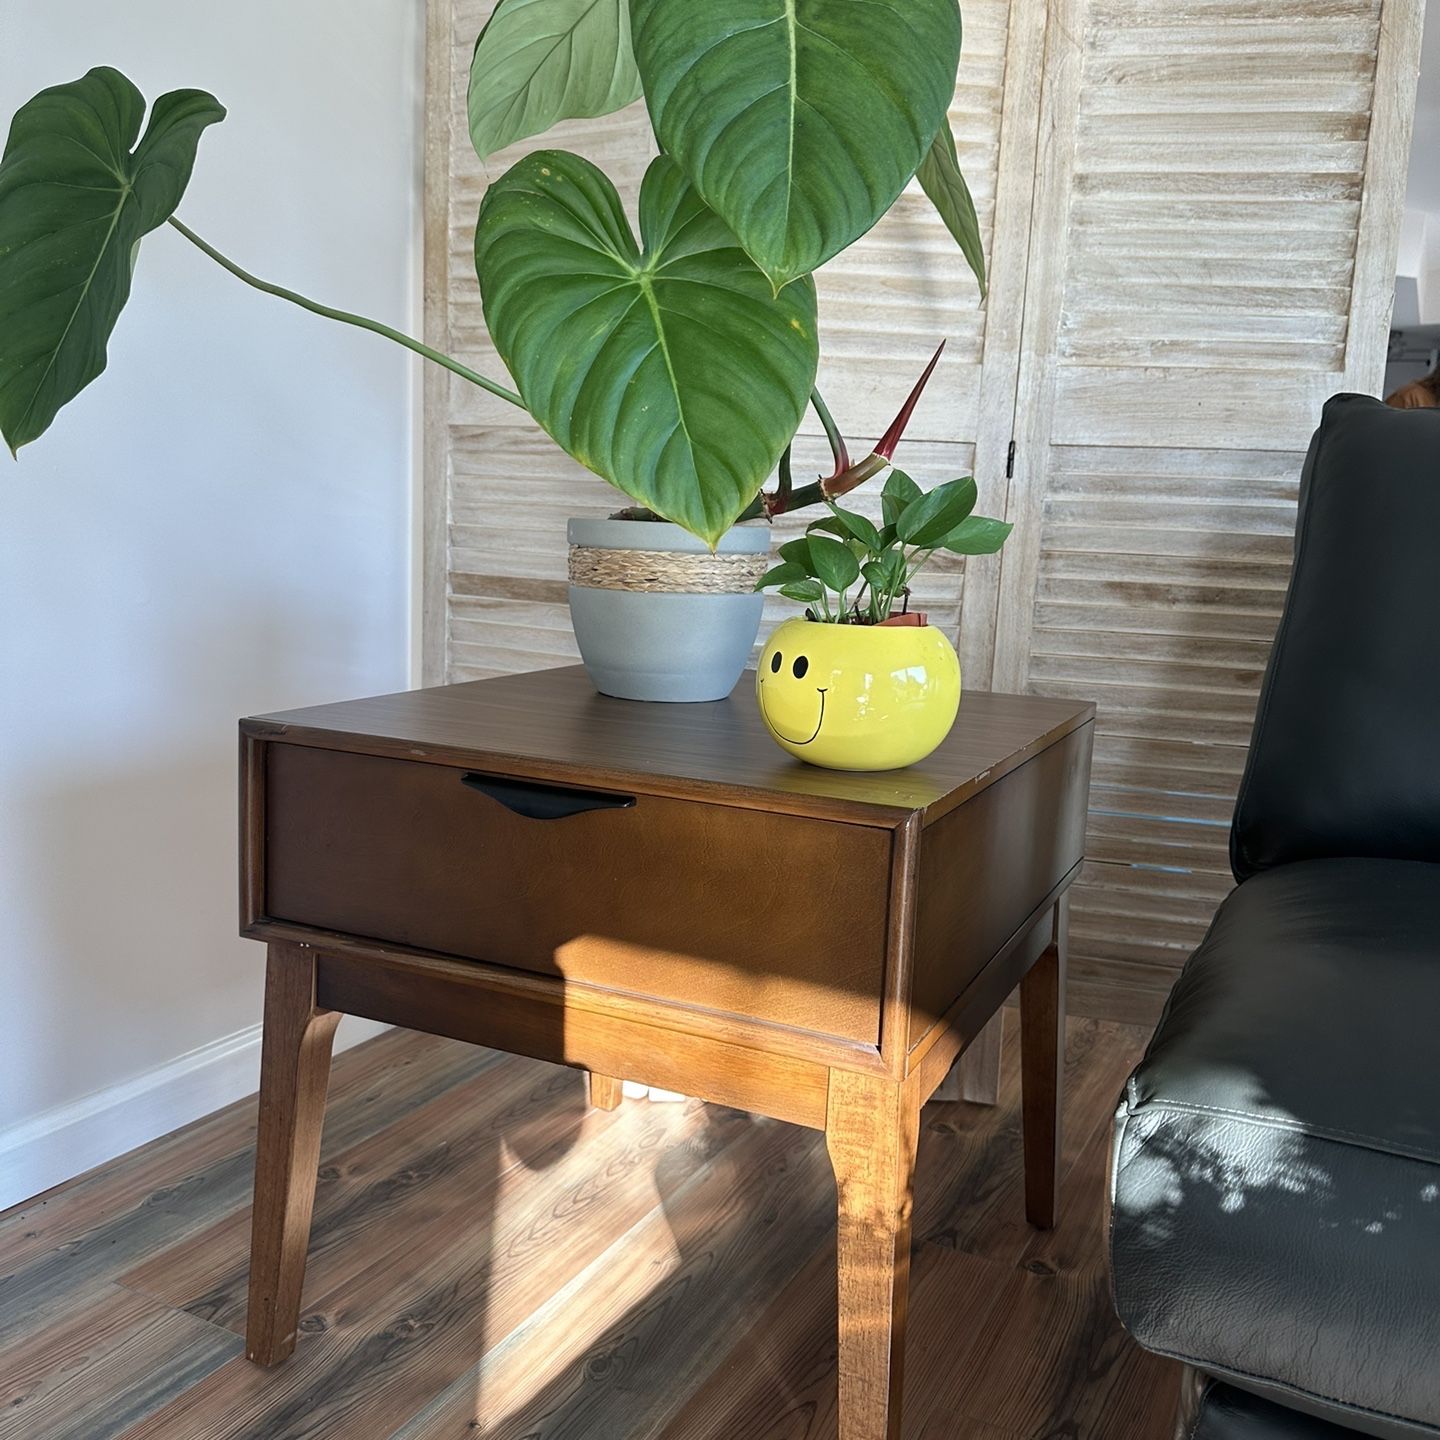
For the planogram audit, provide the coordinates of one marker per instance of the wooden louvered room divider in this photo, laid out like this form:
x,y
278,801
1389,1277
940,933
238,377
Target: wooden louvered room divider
x,y
1191,214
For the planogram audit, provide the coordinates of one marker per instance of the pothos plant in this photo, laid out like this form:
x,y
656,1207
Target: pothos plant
x,y
849,571
676,363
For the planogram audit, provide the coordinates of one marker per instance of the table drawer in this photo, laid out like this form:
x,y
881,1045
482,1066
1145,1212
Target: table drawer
x,y
778,917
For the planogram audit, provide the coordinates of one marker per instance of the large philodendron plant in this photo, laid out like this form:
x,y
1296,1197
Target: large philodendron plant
x,y
677,364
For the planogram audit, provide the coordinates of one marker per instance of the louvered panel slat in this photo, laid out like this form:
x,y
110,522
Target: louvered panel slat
x,y
1273,272
1154,93
1121,32
1184,767
1146,540
1228,75
1167,577
1202,405
1161,717
1131,839
1167,512
1060,622
1227,472
1202,655
1225,218
1152,343
1159,242
1270,127
1141,15
1242,155
1166,909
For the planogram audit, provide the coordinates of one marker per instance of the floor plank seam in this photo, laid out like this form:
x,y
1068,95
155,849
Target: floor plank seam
x,y
173,1308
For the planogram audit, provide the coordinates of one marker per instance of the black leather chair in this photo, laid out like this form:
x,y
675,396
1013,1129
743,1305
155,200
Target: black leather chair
x,y
1275,1186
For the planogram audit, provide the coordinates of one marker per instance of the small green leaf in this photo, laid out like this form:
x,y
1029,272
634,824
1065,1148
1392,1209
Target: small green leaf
x,y
830,525
939,176
852,526
833,562
977,535
887,579
540,61
899,491
928,520
75,201
807,592
785,573
797,552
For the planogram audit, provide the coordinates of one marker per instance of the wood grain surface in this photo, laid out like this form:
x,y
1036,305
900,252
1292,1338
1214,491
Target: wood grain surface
x,y
409,853
294,1078
552,725
492,1257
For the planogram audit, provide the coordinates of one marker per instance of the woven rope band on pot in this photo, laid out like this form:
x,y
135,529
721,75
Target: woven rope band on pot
x,y
665,572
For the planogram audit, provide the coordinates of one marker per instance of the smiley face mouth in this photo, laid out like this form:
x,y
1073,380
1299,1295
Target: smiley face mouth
x,y
786,738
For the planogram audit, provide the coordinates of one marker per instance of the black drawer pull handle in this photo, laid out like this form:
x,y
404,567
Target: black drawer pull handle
x,y
545,802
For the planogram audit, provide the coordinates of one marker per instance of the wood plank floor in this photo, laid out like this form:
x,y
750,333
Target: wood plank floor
x,y
492,1259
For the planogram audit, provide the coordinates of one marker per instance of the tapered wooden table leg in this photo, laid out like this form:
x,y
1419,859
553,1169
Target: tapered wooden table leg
x,y
294,1071
871,1130
605,1091
1042,1071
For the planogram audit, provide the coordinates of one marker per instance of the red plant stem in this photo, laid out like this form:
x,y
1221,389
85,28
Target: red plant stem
x,y
830,488
891,438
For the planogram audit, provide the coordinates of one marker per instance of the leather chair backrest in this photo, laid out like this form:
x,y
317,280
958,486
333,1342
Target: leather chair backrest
x,y
1345,756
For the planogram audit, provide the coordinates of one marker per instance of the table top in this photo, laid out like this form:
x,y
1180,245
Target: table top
x,y
553,725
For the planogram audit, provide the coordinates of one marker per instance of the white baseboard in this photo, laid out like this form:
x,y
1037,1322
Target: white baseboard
x,y
59,1144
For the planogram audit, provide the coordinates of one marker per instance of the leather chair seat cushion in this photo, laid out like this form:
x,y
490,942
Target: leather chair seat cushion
x,y
1226,1413
1276,1189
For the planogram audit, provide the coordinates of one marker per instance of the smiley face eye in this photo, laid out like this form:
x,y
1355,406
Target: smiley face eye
x,y
775,662
801,665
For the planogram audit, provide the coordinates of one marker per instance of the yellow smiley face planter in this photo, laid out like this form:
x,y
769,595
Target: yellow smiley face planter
x,y
858,697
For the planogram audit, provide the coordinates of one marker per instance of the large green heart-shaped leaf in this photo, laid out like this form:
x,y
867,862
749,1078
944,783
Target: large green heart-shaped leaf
x,y
672,370
799,121
540,61
75,201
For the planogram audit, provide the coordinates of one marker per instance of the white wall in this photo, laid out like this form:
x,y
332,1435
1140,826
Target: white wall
x,y
1417,272
220,525
1419,262
1423,190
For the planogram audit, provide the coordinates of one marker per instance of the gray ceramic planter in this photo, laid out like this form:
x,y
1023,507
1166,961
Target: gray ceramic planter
x,y
657,617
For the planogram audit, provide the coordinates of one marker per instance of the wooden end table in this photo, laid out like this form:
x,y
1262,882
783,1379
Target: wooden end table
x,y
658,892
